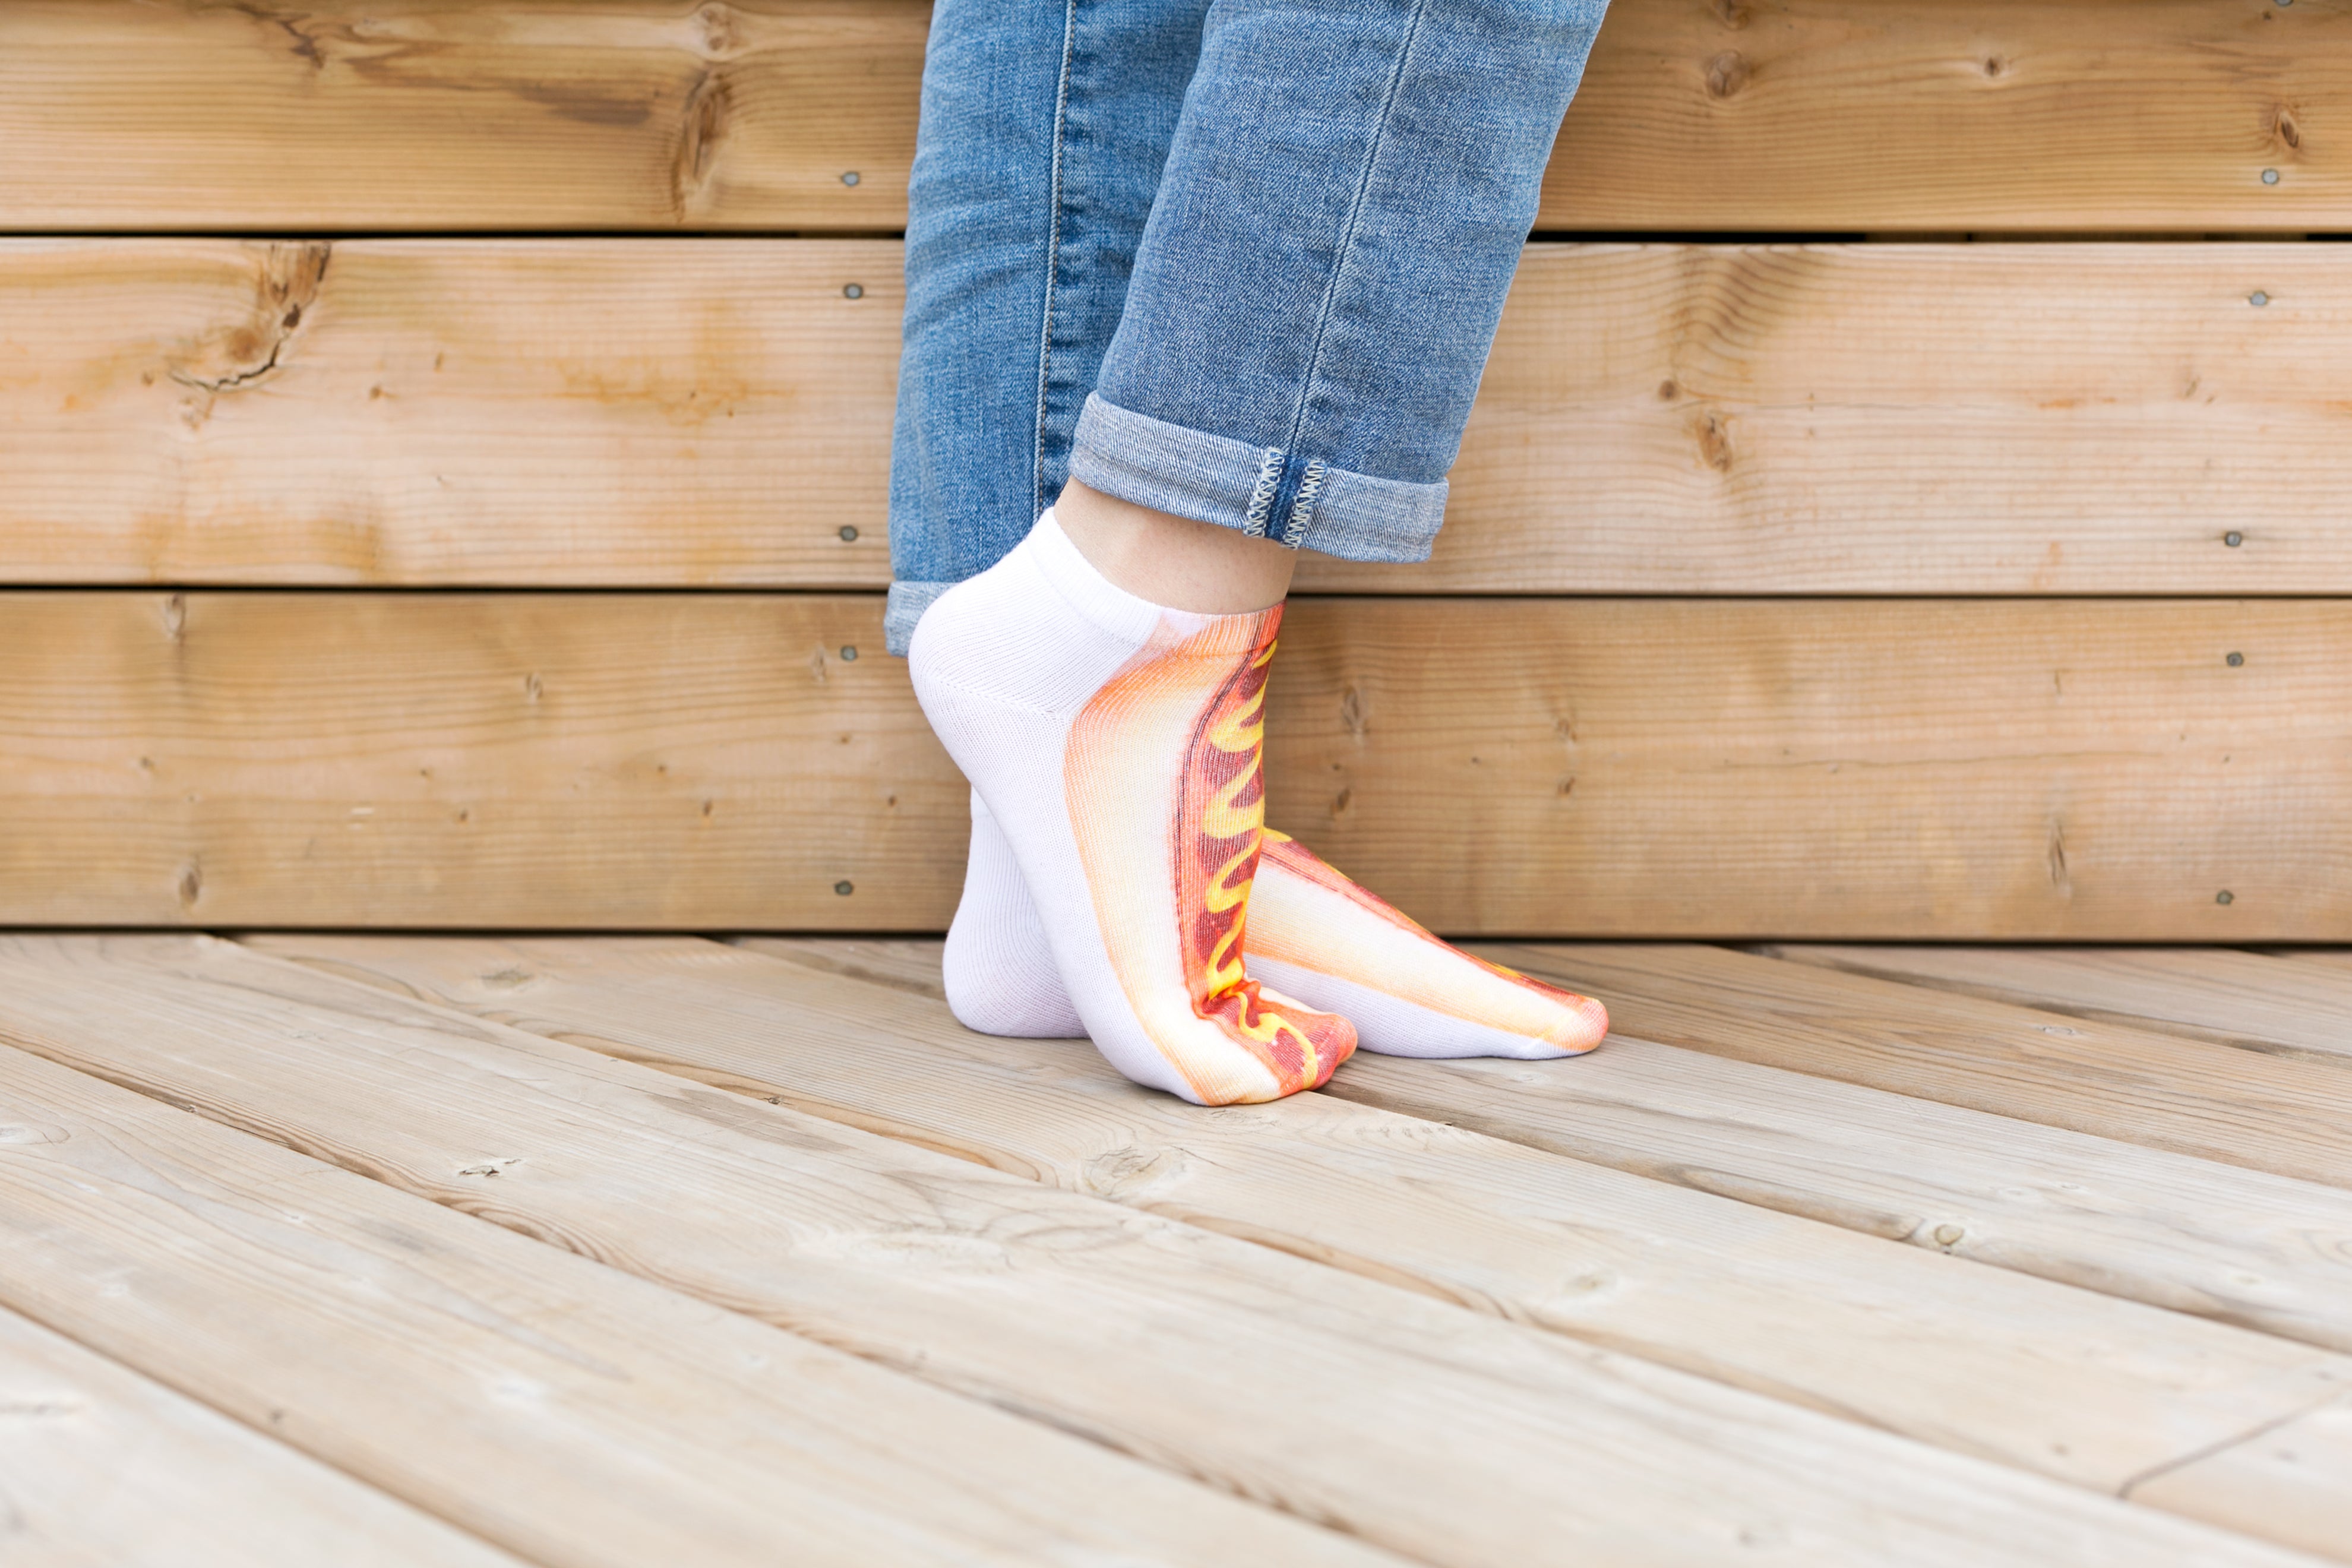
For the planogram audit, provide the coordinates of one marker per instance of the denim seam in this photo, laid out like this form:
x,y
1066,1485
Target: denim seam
x,y
1302,506
1053,262
1346,242
1259,517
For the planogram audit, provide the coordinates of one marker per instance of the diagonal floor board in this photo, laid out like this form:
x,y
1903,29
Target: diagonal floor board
x,y
2188,1234
2271,1113
576,1415
2292,1485
1405,1421
2075,1384
2222,994
98,1465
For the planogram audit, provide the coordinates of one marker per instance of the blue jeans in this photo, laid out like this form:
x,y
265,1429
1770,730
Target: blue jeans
x,y
1236,259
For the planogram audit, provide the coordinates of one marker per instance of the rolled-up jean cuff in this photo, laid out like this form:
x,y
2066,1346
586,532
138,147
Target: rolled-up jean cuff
x,y
906,603
1259,490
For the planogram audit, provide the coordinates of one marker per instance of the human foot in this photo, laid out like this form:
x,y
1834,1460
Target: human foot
x,y
1312,933
1116,745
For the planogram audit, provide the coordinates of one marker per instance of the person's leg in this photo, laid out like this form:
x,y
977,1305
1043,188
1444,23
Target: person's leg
x,y
1044,129
1313,301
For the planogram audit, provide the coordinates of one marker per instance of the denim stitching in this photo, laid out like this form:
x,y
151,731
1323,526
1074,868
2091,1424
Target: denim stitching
x,y
1053,259
1355,219
1302,509
1260,515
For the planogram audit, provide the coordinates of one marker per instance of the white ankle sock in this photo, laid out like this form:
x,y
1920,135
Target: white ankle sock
x,y
1312,934
1116,745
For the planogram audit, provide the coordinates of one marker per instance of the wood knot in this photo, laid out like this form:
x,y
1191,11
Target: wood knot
x,y
192,884
2284,130
1732,14
708,110
1353,712
1727,73
1714,434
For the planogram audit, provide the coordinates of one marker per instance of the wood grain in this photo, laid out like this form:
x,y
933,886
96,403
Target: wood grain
x,y
98,1465
520,760
2282,1114
449,114
1905,419
2249,1000
2186,1234
1806,769
2077,1385
554,413
569,1411
1746,114
2292,1482
1306,1386
1655,420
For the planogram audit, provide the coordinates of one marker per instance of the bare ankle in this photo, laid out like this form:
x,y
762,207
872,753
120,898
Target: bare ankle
x,y
1174,561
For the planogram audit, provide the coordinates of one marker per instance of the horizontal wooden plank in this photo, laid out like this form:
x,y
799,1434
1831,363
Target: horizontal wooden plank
x,y
2282,1114
1269,1375
572,1412
102,1466
1656,418
1801,769
450,114
1774,114
619,413
2190,1234
2068,1383
2249,1000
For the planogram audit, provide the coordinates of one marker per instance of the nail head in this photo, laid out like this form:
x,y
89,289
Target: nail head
x,y
843,888
2233,539
2258,298
2236,659
2225,897
849,535
851,178
848,655
2270,177
853,292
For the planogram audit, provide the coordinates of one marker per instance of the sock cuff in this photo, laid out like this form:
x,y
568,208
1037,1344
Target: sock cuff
x,y
1124,615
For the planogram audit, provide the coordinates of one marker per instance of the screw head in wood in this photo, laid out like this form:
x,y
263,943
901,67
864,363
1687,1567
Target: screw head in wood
x,y
2225,897
853,292
848,653
849,533
851,177
2236,659
844,888
2270,177
2233,539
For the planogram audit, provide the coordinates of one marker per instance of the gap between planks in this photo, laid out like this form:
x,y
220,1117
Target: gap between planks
x,y
1082,1312
1883,1335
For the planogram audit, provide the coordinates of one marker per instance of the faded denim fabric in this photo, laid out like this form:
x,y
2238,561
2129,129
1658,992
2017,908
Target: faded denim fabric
x,y
1237,260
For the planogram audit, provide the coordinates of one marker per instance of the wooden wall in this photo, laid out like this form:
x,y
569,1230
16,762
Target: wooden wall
x,y
441,482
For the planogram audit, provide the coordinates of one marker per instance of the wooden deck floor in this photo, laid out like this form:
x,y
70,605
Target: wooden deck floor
x,y
366,1249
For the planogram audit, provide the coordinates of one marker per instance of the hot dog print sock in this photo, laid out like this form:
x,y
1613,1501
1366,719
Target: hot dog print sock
x,y
1312,933
1116,745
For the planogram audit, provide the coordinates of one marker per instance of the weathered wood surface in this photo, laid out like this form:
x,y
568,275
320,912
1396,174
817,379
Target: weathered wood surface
x,y
2281,1114
1824,769
548,413
1656,418
1065,1306
520,760
2289,1485
570,1412
1771,114
2190,1234
101,1466
2253,1001
2075,1385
